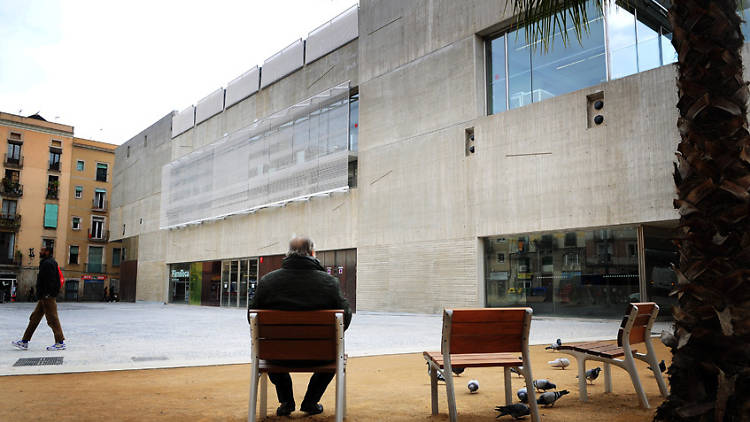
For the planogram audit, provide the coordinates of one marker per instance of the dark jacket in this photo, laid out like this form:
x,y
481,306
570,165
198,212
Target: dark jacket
x,y
300,285
48,279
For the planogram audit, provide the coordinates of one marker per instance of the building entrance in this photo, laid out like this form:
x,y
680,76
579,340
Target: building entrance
x,y
238,280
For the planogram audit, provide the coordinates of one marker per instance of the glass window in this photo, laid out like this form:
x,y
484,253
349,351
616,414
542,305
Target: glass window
x,y
9,208
14,153
668,53
649,55
54,159
353,122
565,69
79,165
585,273
116,257
73,255
622,50
76,223
79,192
101,172
519,70
745,15
496,98
95,259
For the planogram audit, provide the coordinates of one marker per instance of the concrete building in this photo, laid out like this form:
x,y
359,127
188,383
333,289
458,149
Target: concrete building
x,y
436,158
91,264
37,199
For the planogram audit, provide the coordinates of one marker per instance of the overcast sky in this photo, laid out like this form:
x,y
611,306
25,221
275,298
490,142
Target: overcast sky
x,y
110,69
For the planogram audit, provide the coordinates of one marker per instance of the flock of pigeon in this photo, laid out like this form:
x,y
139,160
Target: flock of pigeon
x,y
546,398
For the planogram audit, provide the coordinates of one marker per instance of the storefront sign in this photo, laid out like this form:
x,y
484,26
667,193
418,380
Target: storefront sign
x,y
93,277
180,273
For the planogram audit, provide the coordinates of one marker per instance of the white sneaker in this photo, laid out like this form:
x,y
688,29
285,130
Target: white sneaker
x,y
56,346
23,345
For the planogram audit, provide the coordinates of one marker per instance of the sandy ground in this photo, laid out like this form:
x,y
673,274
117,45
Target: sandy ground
x,y
380,388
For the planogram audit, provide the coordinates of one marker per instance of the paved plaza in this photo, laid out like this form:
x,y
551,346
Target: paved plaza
x,y
118,336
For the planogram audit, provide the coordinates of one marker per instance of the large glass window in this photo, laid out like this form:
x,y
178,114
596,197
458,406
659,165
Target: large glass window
x,y
582,273
518,74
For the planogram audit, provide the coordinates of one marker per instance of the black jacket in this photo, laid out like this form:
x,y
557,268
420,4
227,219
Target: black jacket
x,y
48,279
300,285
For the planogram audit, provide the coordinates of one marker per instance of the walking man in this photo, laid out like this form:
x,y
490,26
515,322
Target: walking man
x,y
47,288
300,285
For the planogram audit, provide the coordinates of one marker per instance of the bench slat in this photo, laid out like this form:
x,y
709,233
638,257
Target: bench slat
x,y
486,328
484,344
296,349
267,366
299,317
296,332
476,360
484,315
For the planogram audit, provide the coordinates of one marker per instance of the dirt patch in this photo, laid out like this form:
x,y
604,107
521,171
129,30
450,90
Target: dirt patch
x,y
380,388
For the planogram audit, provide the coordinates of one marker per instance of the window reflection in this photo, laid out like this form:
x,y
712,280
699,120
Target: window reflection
x,y
496,75
583,273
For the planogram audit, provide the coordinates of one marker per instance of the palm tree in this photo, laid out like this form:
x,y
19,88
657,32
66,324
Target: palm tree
x,y
710,371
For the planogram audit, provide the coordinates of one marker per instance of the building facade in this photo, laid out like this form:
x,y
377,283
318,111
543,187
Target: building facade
x,y
37,200
92,263
436,158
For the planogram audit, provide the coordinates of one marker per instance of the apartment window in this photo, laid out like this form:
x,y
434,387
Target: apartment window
x,y
53,186
353,121
100,195
14,152
116,255
80,165
9,208
50,216
97,228
13,176
519,73
54,159
48,243
96,255
101,172
76,223
79,192
73,255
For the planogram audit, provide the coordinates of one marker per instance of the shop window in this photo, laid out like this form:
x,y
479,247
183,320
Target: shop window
x,y
73,256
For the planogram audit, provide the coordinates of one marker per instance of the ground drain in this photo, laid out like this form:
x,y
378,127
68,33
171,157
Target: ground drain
x,y
57,360
147,358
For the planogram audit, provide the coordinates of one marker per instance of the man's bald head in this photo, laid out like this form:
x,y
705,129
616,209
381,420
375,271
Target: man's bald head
x,y
300,246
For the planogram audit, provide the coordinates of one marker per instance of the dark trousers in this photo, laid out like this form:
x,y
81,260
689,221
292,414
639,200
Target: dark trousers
x,y
45,307
315,388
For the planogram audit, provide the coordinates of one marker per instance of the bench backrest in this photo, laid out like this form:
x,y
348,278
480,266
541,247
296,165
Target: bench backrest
x,y
486,330
297,335
642,315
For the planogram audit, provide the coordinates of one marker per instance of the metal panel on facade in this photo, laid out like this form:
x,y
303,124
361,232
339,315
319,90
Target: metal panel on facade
x,y
209,106
242,87
283,63
332,34
183,121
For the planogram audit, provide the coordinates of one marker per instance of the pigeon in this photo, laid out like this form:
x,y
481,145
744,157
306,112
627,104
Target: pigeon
x,y
473,386
516,410
543,384
549,398
458,371
662,366
517,370
440,376
554,345
592,374
668,339
561,363
522,395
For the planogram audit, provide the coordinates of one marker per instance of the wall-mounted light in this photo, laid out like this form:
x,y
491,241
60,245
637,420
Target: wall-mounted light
x,y
31,253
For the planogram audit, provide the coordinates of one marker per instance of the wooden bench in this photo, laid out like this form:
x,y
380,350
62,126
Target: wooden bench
x,y
480,338
294,336
635,328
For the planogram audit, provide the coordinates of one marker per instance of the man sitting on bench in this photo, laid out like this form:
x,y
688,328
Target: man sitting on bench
x,y
300,285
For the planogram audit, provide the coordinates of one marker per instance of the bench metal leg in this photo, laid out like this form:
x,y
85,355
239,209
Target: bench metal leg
x,y
263,395
607,378
633,372
508,387
533,407
253,392
433,389
582,393
339,394
451,391
344,410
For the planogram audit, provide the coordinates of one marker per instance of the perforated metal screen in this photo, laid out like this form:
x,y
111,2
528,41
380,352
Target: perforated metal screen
x,y
295,153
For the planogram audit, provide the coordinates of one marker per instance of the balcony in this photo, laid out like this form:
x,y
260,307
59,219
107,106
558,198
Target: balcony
x,y
99,205
95,267
54,166
13,161
52,192
10,222
11,189
101,237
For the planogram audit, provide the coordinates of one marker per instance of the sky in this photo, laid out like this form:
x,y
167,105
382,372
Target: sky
x,y
112,68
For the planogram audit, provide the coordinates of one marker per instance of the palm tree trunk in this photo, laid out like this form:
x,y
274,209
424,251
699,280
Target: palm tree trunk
x,y
710,371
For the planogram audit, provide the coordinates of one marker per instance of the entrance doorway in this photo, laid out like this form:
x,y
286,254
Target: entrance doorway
x,y
238,280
